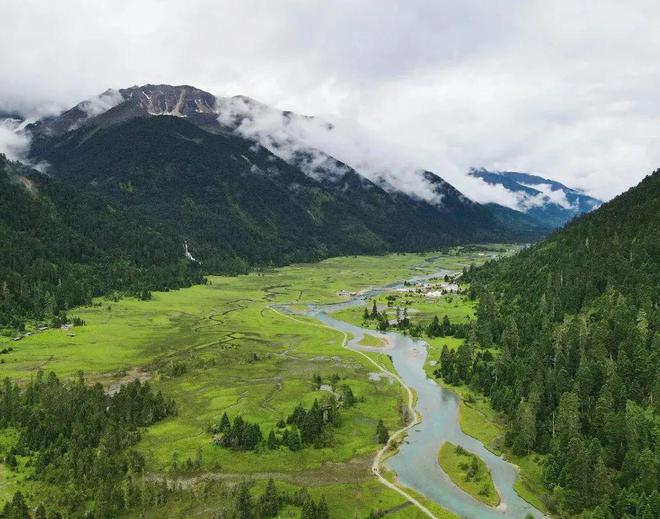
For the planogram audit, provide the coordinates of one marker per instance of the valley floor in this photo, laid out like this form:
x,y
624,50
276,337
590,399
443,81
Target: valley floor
x,y
221,347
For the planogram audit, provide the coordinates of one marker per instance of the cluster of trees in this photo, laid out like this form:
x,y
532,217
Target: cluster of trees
x,y
463,365
438,329
302,428
381,318
271,501
241,435
577,322
237,502
78,437
316,423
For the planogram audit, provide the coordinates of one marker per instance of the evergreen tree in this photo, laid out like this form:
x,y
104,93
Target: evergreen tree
x,y
322,511
244,504
446,326
382,433
225,425
293,440
16,508
269,502
308,509
272,441
434,329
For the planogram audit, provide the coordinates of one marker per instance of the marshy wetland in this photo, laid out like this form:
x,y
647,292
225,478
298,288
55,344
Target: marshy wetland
x,y
226,347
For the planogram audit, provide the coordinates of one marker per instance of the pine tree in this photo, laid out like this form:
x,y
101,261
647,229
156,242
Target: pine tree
x,y
434,329
225,425
293,440
382,433
272,441
16,508
446,326
244,505
269,502
347,396
374,311
525,429
308,509
322,511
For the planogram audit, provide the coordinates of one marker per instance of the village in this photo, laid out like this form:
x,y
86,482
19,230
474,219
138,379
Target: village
x,y
435,287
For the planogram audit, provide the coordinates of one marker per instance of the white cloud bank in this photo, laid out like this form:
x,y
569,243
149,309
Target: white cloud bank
x,y
14,143
565,89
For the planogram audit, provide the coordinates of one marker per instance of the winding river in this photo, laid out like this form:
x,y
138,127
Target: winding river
x,y
416,463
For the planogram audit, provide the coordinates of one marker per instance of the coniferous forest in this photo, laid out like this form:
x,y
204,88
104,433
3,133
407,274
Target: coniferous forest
x,y
577,321
62,245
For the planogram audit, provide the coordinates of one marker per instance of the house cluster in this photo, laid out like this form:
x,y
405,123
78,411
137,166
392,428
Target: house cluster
x,y
432,289
42,327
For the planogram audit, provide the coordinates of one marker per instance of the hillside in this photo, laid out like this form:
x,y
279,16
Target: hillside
x,y
576,318
62,246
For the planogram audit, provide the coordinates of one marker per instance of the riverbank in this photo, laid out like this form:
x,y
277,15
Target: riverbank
x,y
415,462
480,421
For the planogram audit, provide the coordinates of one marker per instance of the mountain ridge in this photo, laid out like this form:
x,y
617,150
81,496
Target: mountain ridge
x,y
550,202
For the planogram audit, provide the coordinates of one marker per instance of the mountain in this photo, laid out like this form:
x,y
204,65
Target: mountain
x,y
178,150
577,321
519,221
550,202
150,187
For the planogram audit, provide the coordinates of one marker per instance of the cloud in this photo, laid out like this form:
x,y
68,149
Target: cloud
x,y
547,195
98,104
564,89
314,143
14,143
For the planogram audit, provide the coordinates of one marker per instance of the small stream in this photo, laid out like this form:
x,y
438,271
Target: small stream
x,y
416,462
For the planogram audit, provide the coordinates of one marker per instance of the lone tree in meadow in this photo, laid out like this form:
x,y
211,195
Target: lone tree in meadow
x,y
382,433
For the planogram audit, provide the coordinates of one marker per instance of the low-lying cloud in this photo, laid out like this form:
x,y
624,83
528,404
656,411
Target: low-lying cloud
x,y
314,143
14,142
564,89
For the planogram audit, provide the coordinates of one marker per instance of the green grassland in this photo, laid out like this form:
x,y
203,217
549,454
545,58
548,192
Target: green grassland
x,y
235,353
371,340
469,473
421,309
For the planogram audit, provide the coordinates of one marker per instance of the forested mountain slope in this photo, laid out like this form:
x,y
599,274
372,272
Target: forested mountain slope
x,y
61,246
147,189
577,320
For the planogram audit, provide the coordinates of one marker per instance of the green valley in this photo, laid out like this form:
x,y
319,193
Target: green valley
x,y
226,347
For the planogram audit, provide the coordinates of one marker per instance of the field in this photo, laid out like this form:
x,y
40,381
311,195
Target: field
x,y
225,347
420,308
468,472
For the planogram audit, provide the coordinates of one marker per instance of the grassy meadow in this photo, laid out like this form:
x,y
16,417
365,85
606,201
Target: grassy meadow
x,y
224,347
469,473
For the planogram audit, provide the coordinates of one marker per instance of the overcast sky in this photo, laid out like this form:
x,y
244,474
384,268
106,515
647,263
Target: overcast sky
x,y
566,89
